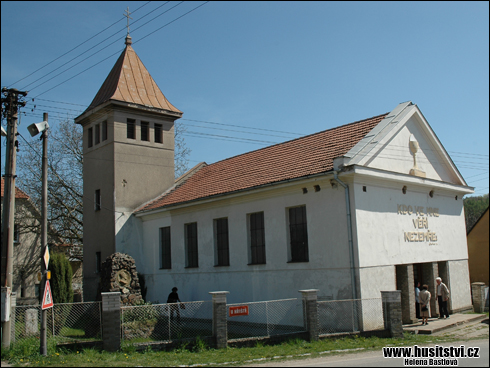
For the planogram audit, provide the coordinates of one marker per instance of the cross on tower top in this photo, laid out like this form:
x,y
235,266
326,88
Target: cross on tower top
x,y
128,37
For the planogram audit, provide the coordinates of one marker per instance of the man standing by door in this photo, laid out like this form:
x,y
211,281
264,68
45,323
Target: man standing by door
x,y
442,298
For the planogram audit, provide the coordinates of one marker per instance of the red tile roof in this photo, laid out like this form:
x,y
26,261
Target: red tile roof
x,y
129,81
300,157
18,193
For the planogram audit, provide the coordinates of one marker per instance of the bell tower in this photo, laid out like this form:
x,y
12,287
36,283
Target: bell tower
x,y
128,158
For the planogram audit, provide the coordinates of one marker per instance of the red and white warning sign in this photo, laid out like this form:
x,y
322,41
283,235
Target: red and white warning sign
x,y
241,310
47,297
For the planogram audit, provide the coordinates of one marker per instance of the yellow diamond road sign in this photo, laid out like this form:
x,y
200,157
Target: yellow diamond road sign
x,y
46,257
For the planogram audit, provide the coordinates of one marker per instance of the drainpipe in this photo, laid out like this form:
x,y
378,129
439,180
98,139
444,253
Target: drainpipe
x,y
349,232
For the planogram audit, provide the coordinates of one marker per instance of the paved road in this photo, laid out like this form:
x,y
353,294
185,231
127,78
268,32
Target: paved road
x,y
375,358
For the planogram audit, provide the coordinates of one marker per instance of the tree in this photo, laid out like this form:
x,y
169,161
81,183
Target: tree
x,y
61,275
473,209
65,177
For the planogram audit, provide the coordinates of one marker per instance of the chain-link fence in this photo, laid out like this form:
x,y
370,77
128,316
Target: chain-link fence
x,y
340,316
65,321
268,318
167,322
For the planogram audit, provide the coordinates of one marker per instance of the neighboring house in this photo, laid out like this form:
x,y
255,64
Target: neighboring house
x,y
350,211
27,248
478,245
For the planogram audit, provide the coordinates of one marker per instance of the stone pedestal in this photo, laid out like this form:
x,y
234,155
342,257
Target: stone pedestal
x,y
392,312
478,293
220,319
111,321
310,305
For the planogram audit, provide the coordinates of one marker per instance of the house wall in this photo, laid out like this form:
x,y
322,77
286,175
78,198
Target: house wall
x,y
327,270
478,244
386,218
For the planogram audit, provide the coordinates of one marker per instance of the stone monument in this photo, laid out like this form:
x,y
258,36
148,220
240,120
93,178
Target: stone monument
x,y
118,273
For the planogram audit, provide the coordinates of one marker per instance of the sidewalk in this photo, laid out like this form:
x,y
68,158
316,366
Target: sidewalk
x,y
436,325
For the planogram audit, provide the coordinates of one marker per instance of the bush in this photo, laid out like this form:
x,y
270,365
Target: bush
x,y
61,275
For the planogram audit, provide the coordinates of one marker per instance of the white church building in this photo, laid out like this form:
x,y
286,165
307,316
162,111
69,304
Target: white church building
x,y
353,210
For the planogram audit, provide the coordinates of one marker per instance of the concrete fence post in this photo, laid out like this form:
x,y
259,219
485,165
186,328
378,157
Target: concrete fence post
x,y
478,292
13,305
220,320
111,321
310,308
392,312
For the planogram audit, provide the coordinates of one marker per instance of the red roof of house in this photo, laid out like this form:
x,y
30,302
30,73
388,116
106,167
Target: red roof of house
x,y
18,193
312,154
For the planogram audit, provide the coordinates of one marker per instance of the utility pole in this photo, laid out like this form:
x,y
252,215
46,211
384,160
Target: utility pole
x,y
44,236
10,107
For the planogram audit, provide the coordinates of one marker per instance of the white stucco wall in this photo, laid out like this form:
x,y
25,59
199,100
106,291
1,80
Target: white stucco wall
x,y
327,269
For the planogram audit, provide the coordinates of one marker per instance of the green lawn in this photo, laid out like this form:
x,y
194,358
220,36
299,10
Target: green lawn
x,y
26,353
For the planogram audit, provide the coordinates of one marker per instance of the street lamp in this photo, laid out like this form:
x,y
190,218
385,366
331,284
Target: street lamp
x,y
35,129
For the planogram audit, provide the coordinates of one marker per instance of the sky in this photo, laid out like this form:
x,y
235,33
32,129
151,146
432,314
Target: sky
x,y
251,74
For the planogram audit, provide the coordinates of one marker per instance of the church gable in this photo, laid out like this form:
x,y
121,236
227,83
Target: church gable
x,y
405,143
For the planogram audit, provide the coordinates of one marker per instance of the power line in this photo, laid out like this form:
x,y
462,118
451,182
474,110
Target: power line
x,y
102,49
118,52
52,61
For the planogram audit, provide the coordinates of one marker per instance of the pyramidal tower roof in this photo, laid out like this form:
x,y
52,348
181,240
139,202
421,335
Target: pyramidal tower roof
x,y
129,81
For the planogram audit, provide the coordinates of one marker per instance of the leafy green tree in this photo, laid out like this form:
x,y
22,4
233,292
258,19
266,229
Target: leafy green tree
x,y
61,275
474,208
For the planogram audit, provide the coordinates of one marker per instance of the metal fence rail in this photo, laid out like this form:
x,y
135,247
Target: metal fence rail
x,y
267,318
340,316
66,321
167,322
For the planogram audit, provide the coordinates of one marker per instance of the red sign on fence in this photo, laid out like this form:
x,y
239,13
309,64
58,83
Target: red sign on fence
x,y
241,310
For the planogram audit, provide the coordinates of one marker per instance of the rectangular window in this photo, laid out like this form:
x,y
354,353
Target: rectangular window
x,y
145,129
98,262
16,233
130,130
90,138
158,133
97,133
97,200
222,253
191,245
104,130
298,234
165,256
257,238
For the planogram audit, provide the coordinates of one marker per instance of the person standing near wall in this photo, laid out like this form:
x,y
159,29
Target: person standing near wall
x,y
417,301
173,299
442,298
424,298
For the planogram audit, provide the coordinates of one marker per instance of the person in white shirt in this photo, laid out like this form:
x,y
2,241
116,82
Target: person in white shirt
x,y
442,298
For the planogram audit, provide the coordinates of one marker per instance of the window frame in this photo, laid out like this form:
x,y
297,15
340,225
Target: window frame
x,y
221,242
165,248
298,234
145,127
104,130
97,134
97,201
90,137
256,234
98,262
158,133
191,245
130,128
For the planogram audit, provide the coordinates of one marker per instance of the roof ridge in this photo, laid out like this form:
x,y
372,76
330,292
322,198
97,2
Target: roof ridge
x,y
295,139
